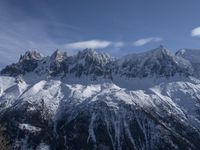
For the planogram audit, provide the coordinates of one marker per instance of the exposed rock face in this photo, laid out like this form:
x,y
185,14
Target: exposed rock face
x,y
91,101
89,62
193,57
158,62
27,63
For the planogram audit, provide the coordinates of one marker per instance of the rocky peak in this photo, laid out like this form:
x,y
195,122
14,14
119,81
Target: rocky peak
x,y
190,54
159,61
161,50
58,56
90,55
151,54
27,63
181,52
30,55
87,51
87,54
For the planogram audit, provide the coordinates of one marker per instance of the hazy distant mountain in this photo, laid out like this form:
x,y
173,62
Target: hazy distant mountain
x,y
144,101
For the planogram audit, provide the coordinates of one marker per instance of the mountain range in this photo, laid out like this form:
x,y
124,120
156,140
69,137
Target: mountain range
x,y
90,100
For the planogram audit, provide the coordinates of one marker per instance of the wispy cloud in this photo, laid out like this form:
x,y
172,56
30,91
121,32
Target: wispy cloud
x,y
20,32
95,44
195,32
118,44
88,44
144,41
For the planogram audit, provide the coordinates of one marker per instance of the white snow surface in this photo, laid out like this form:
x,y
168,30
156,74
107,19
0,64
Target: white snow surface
x,y
28,127
177,95
53,97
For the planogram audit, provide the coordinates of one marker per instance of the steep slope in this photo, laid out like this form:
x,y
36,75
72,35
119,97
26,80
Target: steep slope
x,y
27,63
99,115
92,101
192,56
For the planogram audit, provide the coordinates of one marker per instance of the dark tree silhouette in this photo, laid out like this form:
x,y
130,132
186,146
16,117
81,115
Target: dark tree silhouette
x,y
4,140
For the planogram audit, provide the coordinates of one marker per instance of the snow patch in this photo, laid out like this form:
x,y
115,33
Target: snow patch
x,y
28,127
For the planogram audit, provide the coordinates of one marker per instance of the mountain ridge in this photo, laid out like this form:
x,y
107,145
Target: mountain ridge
x,y
101,64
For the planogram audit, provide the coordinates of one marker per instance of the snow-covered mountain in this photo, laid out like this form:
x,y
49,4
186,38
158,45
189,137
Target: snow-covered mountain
x,y
90,100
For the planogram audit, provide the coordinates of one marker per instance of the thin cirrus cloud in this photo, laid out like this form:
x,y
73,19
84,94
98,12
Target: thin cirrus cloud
x,y
195,32
94,44
144,41
118,44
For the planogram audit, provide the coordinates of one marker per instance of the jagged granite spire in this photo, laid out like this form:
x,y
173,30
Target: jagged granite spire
x,y
30,55
58,56
27,63
156,62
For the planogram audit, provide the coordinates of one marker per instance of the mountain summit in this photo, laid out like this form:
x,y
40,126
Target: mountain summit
x,y
157,62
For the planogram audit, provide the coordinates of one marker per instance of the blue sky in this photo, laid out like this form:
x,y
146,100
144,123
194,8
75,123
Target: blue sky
x,y
118,27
